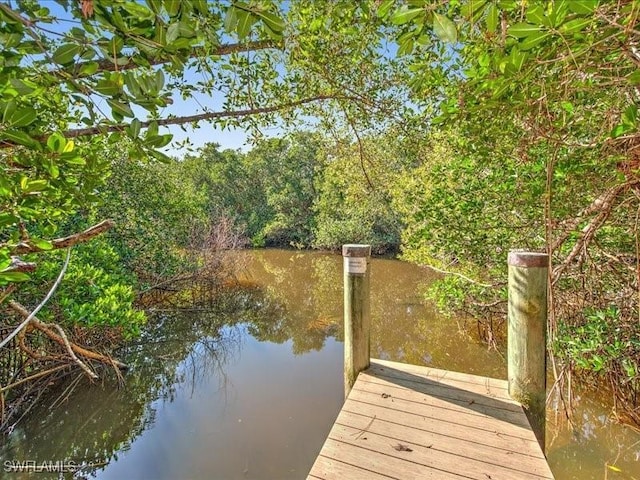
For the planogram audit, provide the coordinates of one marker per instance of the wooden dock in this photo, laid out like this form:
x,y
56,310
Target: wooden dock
x,y
408,422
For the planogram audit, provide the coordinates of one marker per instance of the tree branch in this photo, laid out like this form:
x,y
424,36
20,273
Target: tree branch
x,y
18,265
602,203
64,242
46,329
205,116
30,316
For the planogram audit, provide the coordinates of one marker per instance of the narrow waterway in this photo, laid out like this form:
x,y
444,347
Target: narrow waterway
x,y
248,387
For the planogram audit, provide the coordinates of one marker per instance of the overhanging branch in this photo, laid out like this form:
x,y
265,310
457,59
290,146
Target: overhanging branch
x,y
204,116
64,242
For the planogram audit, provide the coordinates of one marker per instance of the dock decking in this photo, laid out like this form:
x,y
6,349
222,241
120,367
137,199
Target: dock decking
x,y
409,422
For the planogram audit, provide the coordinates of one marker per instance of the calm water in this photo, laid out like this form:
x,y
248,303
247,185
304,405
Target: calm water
x,y
249,388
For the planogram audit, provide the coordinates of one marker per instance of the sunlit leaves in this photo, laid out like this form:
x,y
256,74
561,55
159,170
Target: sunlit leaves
x,y
241,17
405,14
66,53
444,28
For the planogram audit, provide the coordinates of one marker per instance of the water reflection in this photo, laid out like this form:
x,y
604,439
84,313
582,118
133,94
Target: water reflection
x,y
309,287
248,386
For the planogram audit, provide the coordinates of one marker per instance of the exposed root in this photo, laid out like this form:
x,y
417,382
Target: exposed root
x,y
72,354
46,328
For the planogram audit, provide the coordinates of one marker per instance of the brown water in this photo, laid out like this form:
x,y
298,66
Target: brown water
x,y
249,388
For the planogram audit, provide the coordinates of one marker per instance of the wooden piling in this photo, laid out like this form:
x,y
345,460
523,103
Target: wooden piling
x,y
357,321
527,335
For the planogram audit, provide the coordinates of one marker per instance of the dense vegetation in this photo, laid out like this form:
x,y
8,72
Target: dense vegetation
x,y
453,131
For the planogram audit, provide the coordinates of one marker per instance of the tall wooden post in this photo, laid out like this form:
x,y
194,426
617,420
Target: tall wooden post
x,y
527,335
357,321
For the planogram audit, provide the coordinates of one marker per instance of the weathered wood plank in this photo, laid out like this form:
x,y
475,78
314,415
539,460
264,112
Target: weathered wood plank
x,y
487,389
455,399
327,468
454,419
439,427
391,466
447,445
427,456
444,375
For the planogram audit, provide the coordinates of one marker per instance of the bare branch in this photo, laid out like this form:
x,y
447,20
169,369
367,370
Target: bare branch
x,y
72,354
600,204
70,241
78,350
464,277
32,315
17,265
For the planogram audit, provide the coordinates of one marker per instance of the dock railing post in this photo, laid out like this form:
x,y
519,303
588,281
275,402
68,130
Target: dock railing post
x,y
357,321
527,335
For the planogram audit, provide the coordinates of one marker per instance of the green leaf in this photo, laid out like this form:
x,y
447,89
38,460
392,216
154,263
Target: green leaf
x,y
630,115
522,30
8,219
66,53
18,137
518,58
613,468
618,131
158,141
245,21
275,23
444,28
41,243
89,68
472,7
173,32
22,117
74,160
8,109
567,107
186,30
35,186
405,47
230,19
634,78
121,108
492,18
56,142
4,263
24,87
575,25
584,7
160,156
533,40
159,80
173,7
405,15
107,88
535,14
14,277
134,128
385,8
